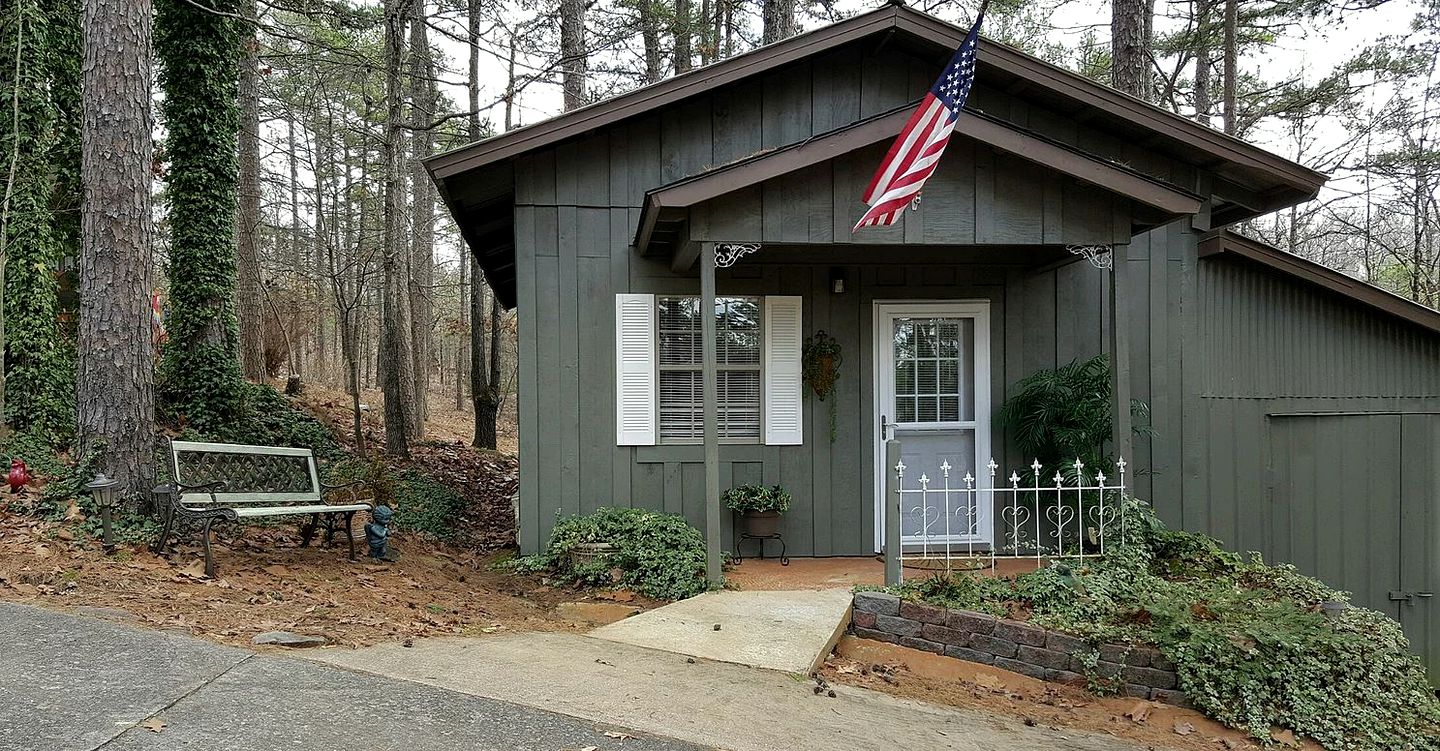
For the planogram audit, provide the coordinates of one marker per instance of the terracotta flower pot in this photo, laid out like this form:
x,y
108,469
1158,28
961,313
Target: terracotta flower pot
x,y
761,523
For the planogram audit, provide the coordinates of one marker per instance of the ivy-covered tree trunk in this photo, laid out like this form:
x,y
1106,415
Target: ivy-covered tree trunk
x,y
114,378
249,306
31,381
199,52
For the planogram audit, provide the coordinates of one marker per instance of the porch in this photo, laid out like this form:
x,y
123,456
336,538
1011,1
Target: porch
x,y
932,340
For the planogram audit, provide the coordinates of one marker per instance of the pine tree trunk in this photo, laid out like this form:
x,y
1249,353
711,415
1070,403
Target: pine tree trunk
x,y
573,60
1231,55
422,211
248,305
1203,103
778,19
650,37
114,379
683,35
1130,69
396,354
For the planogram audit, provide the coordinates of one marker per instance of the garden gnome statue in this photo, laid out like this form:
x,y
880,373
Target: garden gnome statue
x,y
377,532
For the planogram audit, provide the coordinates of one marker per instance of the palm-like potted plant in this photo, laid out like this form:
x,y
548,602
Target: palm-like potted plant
x,y
760,506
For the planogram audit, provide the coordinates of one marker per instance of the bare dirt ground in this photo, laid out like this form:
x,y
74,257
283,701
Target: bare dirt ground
x,y
265,581
913,674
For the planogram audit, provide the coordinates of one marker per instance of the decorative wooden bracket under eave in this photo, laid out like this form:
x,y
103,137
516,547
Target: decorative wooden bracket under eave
x,y
666,208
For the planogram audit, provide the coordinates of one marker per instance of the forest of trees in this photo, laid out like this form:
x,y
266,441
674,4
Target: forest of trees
x,y
261,182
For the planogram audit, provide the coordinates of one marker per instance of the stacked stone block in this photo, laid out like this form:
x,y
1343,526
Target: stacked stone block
x,y
1012,645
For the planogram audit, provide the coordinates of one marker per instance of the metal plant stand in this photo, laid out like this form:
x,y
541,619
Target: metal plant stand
x,y
743,537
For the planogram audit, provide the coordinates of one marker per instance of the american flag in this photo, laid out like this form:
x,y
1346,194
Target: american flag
x,y
916,152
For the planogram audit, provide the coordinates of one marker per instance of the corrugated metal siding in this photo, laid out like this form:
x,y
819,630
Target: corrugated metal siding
x,y
1317,438
1270,336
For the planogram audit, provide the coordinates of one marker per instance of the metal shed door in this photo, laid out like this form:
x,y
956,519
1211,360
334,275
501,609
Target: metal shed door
x,y
1355,504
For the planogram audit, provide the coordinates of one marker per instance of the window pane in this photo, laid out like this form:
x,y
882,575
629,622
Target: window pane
x,y
680,405
949,408
739,406
949,377
679,348
927,377
737,347
949,337
925,337
905,409
905,377
904,340
927,409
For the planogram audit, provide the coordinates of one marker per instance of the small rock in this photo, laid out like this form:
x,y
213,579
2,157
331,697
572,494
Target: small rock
x,y
830,693
408,643
690,660
717,627
288,639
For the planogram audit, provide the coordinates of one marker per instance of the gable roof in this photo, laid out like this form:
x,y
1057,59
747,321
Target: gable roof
x,y
1226,242
477,181
660,203
1203,144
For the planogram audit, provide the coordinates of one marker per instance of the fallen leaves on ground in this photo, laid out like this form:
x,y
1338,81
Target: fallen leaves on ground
x,y
926,677
267,582
154,724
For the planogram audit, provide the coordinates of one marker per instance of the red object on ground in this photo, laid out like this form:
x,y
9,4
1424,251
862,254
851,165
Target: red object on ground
x,y
19,475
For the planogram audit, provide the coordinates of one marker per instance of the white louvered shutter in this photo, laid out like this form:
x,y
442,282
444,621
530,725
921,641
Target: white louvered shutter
x,y
634,370
783,411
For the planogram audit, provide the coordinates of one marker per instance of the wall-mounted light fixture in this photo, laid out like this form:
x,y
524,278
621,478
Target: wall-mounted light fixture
x,y
837,280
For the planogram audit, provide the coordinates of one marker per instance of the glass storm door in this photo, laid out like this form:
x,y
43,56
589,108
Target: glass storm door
x,y
932,390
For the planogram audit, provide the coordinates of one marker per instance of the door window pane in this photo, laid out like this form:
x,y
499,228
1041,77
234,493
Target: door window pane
x,y
934,358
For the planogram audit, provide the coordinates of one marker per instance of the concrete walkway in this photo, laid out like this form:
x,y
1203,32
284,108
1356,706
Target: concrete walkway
x,y
709,703
787,631
71,683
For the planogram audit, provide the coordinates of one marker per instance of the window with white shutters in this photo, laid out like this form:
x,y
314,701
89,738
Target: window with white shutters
x,y
738,357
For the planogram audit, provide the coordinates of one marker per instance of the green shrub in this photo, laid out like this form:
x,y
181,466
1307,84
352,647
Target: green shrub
x,y
757,498
658,555
425,506
1249,640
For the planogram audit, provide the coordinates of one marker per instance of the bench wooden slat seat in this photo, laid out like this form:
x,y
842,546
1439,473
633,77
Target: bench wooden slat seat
x,y
231,481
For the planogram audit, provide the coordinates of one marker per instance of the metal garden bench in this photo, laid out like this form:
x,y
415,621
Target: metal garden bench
x,y
228,482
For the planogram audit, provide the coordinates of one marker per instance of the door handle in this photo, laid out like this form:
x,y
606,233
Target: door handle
x,y
1409,597
884,427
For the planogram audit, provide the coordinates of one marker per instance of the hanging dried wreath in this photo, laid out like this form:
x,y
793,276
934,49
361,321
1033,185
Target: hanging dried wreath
x,y
821,368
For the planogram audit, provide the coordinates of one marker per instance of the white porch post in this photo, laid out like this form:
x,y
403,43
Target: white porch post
x,y
711,419
1121,434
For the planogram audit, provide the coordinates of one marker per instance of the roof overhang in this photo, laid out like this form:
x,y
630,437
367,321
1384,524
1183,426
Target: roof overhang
x,y
665,207
1226,242
1247,180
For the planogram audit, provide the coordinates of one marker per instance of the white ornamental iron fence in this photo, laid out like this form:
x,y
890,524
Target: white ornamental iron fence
x,y
938,520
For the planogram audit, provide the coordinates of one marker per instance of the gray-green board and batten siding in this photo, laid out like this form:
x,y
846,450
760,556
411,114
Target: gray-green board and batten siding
x,y
1230,357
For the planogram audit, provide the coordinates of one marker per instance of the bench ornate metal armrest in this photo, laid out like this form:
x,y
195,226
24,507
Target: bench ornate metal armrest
x,y
251,481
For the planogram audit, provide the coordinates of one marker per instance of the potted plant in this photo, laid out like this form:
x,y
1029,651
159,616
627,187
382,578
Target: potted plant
x,y
760,506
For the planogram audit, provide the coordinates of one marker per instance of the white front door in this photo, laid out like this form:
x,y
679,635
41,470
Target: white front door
x,y
932,394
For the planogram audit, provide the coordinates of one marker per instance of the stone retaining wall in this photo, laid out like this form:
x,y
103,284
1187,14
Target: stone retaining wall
x,y
1013,645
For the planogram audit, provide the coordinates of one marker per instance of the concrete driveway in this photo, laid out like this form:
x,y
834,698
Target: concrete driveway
x,y
71,683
